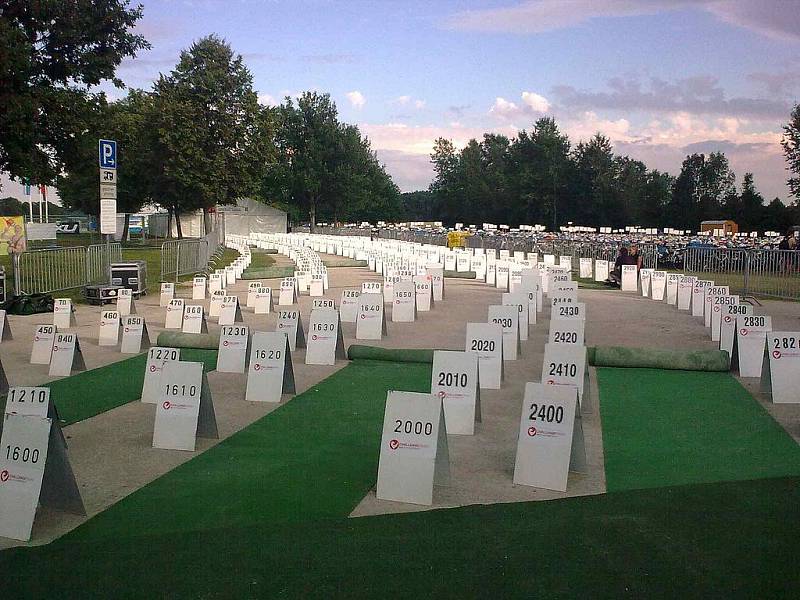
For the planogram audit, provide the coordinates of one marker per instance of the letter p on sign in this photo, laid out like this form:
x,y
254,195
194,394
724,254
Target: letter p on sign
x,y
108,154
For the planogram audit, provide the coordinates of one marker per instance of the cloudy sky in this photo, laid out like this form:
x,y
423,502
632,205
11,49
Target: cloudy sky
x,y
661,78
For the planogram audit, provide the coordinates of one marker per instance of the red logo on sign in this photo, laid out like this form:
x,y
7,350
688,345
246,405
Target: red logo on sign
x,y
716,309
257,367
531,431
551,382
166,405
397,301
153,368
55,348
442,394
225,343
36,338
363,316
4,475
728,319
126,330
743,331
776,354
394,444
313,337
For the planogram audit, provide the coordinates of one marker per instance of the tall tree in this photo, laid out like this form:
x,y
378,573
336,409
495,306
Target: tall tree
x,y
129,121
597,198
446,183
52,52
213,135
791,149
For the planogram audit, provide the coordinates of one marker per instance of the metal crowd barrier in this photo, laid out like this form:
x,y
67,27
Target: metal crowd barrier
x,y
186,257
98,261
748,271
53,270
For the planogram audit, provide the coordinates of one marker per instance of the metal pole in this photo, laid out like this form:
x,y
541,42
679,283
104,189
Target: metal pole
x,y
177,259
746,291
17,274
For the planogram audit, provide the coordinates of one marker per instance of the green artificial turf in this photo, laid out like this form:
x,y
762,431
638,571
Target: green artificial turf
x,y
314,457
398,355
664,428
89,393
724,540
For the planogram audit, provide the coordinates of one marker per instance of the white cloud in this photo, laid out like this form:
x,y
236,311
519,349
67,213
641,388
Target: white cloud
x,y
406,100
356,99
419,104
536,102
266,100
532,105
403,100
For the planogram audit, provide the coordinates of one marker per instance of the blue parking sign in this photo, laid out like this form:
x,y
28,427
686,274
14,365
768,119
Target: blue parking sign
x,y
108,154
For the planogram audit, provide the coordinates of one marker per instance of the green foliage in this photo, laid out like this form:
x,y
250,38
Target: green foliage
x,y
127,121
325,169
211,137
52,52
791,149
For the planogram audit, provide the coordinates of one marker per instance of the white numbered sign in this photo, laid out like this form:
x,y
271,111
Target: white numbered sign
x,y
565,364
601,270
630,280
234,344
508,318
43,339
135,336
325,343
712,293
585,265
290,323
727,325
215,283
454,379
371,320
63,317
167,293
658,285
550,440
671,296
486,341
751,339
215,303
109,328
718,304
270,373
436,274
566,331
414,454
699,296
685,287
521,301
199,288
348,306
230,312
174,317
404,307
125,303
252,289
644,278
288,293
424,292
157,357
34,469
576,310
185,410
194,319
781,372
66,356
262,305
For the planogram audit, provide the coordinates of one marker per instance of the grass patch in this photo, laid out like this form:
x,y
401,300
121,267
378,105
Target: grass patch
x,y
260,260
727,540
89,393
665,428
313,458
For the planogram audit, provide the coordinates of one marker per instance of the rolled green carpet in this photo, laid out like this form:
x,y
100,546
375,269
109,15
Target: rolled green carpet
x,y
333,262
268,273
401,355
652,358
460,275
178,339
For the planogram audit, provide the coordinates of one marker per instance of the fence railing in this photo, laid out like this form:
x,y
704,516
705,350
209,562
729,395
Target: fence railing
x,y
747,271
185,257
98,261
45,271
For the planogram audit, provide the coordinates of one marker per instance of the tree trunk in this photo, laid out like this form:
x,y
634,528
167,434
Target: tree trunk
x,y
169,223
207,225
178,225
312,213
126,228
